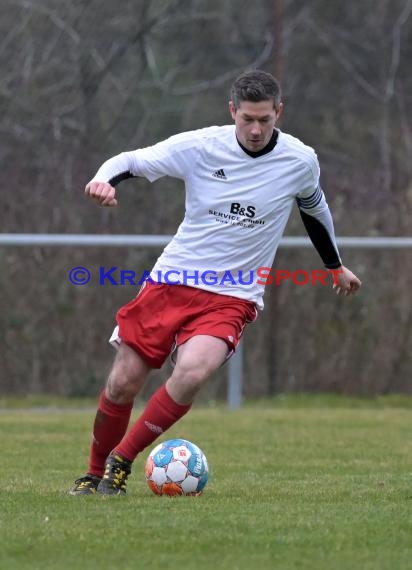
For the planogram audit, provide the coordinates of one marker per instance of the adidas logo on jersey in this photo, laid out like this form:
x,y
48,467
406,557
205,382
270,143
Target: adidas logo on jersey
x,y
220,174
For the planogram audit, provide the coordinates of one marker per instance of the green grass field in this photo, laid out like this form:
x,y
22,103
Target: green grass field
x,y
297,483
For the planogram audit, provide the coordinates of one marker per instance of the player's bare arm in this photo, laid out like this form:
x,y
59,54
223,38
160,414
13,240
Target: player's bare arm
x,y
102,192
345,282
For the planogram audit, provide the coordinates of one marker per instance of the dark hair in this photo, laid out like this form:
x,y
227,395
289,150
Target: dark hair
x,y
255,86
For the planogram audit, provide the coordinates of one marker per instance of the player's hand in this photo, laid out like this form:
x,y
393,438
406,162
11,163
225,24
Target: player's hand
x,y
345,282
102,192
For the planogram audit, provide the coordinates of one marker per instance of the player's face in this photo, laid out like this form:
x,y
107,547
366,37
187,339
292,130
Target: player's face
x,y
254,122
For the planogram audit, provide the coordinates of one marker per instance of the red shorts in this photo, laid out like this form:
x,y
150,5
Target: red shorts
x,y
163,317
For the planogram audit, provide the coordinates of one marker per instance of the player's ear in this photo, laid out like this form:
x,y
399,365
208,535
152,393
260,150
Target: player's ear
x,y
232,109
279,112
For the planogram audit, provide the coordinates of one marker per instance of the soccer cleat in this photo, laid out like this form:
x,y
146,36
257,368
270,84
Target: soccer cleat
x,y
117,470
86,485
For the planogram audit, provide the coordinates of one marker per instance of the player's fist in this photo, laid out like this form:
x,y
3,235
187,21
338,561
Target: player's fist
x,y
102,192
345,282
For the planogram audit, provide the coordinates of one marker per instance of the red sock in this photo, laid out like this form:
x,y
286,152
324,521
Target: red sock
x,y
160,413
109,427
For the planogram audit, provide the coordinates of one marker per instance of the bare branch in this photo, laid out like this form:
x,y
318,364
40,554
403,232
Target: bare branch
x,y
179,18
151,61
15,32
229,75
405,120
344,61
396,48
28,60
57,21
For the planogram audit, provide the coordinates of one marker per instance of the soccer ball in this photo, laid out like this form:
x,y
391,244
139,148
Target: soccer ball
x,y
176,467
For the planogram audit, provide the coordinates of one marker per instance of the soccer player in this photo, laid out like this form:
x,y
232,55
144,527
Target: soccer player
x,y
241,183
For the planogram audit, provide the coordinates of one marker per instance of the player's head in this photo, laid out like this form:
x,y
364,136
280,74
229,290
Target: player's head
x,y
255,106
255,86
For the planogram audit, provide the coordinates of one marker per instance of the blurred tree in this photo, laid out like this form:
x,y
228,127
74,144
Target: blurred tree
x,y
82,81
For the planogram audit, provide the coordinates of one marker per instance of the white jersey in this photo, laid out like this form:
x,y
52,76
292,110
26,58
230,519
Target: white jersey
x,y
237,206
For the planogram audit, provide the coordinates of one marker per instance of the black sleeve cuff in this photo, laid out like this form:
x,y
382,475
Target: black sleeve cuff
x,y
119,177
321,240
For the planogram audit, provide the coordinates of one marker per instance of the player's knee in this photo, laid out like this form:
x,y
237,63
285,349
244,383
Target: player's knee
x,y
125,379
121,388
190,375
